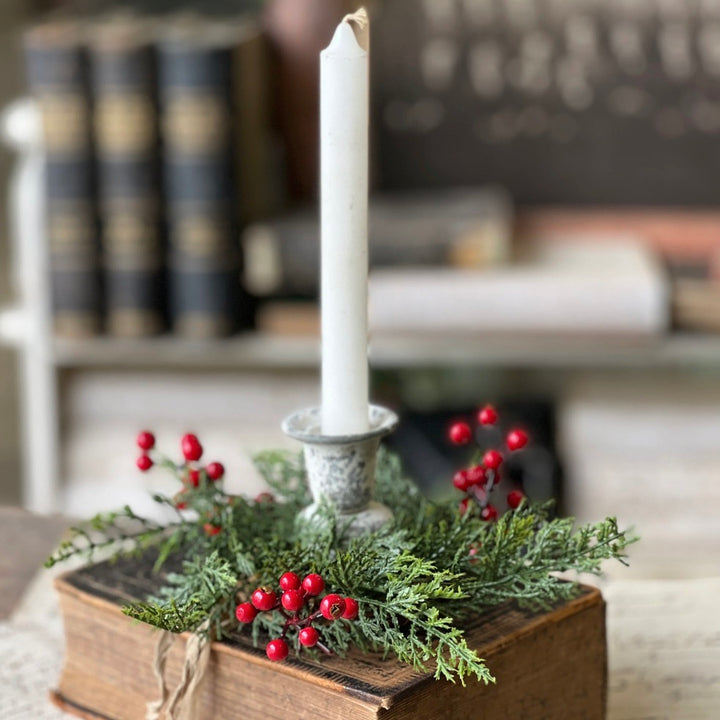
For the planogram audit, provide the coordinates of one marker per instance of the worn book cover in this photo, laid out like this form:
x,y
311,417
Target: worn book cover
x,y
547,665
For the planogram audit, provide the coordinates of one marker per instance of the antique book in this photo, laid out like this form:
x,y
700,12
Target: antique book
x,y
122,65
199,61
683,237
299,318
57,74
547,665
611,289
465,227
696,304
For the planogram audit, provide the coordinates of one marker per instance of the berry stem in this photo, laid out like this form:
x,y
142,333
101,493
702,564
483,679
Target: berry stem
x,y
477,456
164,461
297,621
309,619
478,494
484,502
324,648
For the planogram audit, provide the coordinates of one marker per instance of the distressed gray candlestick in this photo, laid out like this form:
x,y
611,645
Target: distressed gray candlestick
x,y
341,469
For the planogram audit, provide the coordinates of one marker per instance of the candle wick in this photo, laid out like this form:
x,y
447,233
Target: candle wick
x,y
359,17
361,22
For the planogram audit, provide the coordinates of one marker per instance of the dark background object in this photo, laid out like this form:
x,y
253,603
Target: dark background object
x,y
432,460
297,31
561,102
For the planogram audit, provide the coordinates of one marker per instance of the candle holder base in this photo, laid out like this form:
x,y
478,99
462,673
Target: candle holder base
x,y
350,525
341,469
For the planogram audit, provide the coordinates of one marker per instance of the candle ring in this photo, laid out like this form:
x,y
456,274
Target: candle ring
x,y
341,468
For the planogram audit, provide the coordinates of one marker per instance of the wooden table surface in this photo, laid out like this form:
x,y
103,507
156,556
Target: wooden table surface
x,y
25,541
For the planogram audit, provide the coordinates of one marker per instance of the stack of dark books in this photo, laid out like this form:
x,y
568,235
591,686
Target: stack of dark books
x,y
158,147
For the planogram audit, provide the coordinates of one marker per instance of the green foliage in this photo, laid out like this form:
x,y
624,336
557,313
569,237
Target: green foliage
x,y
190,597
416,582
112,532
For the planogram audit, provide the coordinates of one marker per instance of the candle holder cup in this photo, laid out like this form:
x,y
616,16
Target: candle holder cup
x,y
341,469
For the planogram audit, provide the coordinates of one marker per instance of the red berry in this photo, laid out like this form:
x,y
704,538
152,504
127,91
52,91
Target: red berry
x,y
313,584
492,459
476,475
488,415
265,497
215,470
463,505
489,513
290,581
461,480
145,440
144,463
460,433
211,528
264,599
180,504
308,637
193,477
474,550
514,498
332,606
191,447
351,608
277,650
292,600
516,439
245,612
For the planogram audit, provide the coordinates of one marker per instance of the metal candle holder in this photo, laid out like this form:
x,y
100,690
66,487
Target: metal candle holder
x,y
341,469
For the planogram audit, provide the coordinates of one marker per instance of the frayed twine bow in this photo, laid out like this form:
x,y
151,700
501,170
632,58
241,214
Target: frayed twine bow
x,y
181,705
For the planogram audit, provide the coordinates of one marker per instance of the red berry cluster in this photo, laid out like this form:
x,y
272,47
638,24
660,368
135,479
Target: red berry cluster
x,y
479,480
296,601
192,474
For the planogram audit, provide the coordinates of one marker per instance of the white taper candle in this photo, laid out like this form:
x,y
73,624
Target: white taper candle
x,y
344,119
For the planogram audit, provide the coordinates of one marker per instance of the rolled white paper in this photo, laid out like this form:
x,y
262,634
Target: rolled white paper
x,y
344,254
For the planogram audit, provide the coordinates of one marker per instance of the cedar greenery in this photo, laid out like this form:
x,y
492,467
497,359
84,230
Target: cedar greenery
x,y
417,581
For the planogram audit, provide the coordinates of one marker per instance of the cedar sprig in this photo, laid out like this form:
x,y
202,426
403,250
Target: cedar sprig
x,y
191,597
112,533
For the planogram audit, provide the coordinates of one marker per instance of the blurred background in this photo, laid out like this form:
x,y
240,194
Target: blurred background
x,y
544,235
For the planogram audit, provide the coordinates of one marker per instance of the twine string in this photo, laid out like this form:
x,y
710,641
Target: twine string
x,y
162,647
183,700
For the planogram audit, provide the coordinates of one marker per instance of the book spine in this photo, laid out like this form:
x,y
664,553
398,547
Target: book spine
x,y
125,115
57,75
196,98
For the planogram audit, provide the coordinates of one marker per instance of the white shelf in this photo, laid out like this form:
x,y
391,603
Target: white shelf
x,y
253,351
250,351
